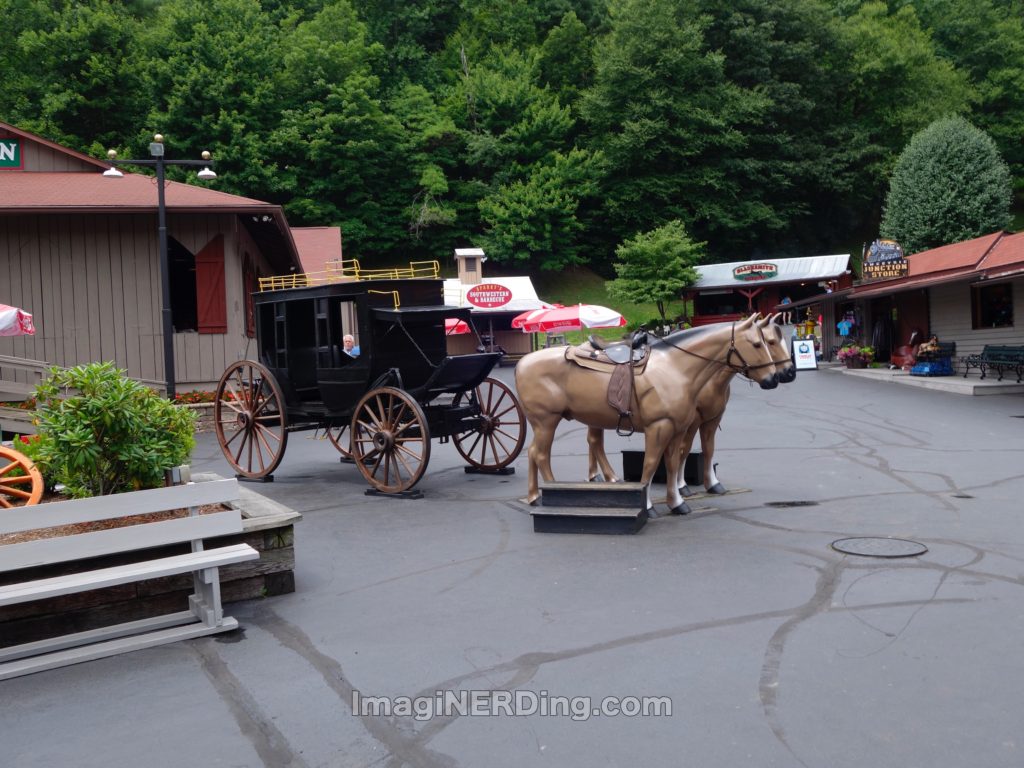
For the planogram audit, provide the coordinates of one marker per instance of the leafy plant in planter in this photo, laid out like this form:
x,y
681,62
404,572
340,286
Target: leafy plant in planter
x,y
110,435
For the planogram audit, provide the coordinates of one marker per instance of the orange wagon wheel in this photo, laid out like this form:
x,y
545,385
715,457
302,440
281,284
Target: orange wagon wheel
x,y
21,484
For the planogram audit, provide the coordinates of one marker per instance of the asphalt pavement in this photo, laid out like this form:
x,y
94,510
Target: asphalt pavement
x,y
769,647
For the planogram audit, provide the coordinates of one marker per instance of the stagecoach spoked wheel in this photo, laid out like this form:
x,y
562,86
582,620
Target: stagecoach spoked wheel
x,y
496,443
390,440
21,484
339,437
250,419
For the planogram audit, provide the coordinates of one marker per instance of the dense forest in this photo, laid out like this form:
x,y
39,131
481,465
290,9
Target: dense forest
x,y
547,131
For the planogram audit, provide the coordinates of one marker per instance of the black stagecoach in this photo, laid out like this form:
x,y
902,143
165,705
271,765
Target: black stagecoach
x,y
380,408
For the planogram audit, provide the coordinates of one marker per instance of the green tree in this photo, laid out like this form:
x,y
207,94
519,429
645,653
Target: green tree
x,y
72,71
950,184
664,115
534,223
985,40
899,84
656,266
566,61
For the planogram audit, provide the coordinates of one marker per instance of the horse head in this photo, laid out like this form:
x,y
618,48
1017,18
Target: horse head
x,y
778,347
749,355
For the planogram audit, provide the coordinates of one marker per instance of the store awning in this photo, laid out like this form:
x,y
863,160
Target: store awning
x,y
872,290
818,298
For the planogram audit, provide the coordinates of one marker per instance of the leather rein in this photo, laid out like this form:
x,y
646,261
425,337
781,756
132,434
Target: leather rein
x,y
743,369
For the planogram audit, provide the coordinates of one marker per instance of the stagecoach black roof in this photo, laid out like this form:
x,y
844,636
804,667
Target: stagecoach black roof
x,y
419,314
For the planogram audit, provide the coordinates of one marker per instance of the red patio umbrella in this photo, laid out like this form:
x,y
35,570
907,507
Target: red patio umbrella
x,y
573,318
528,316
15,322
453,326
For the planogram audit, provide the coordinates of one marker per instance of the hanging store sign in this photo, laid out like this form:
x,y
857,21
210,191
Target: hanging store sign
x,y
488,295
883,260
10,154
752,272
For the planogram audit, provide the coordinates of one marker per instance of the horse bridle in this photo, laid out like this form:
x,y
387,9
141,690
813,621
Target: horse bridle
x,y
744,369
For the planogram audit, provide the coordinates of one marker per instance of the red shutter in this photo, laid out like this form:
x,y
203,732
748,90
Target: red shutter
x,y
211,300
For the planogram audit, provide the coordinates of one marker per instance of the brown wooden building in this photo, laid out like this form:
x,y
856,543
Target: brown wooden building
x,y
80,252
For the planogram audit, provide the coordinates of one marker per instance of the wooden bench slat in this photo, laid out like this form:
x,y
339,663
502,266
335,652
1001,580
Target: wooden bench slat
x,y
125,574
101,650
117,505
115,540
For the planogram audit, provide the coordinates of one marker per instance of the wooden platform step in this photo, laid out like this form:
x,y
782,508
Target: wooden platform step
x,y
603,508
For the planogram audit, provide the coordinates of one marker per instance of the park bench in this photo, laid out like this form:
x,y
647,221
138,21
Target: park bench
x,y
999,358
204,615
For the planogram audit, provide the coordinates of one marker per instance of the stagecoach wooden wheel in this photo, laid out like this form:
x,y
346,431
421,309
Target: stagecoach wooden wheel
x,y
250,419
20,482
390,440
340,440
499,439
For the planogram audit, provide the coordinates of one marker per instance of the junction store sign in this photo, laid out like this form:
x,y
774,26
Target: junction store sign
x,y
752,272
488,295
883,260
10,154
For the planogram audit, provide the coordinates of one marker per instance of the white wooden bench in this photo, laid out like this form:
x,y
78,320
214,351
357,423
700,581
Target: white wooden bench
x,y
204,615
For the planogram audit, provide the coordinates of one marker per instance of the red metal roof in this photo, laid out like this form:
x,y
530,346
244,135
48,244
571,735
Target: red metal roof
x,y
954,256
1008,255
62,192
317,246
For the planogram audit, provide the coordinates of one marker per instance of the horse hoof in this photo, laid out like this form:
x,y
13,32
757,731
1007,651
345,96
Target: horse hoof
x,y
682,509
652,513
535,501
717,489
685,491
597,479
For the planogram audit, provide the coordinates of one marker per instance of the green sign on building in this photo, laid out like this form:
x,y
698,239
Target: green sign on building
x,y
10,153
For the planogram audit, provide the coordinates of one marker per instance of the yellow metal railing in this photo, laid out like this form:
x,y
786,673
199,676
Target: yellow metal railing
x,y
348,270
395,299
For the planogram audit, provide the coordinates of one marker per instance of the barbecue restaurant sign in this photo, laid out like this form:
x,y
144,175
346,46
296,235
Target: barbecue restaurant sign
x,y
883,260
488,295
757,271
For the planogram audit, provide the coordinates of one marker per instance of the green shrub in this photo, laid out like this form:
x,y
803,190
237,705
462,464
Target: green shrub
x,y
111,434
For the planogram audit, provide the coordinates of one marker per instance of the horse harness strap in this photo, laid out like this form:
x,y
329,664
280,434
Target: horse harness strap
x,y
743,368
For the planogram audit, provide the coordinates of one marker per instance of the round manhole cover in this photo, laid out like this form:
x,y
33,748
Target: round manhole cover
x,y
879,547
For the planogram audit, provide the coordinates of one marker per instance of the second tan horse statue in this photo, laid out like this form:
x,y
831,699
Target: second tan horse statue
x,y
552,388
710,403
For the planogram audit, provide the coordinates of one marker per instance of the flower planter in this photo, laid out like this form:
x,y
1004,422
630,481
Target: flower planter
x,y
267,527
856,363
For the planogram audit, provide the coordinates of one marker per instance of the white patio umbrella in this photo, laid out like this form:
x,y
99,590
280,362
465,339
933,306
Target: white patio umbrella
x,y
573,318
15,322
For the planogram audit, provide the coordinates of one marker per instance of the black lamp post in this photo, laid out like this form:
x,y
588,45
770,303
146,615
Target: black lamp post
x,y
156,149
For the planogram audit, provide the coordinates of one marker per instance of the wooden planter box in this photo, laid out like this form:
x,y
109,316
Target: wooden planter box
x,y
267,527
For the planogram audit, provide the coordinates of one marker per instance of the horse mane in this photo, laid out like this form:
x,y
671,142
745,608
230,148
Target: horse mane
x,y
675,338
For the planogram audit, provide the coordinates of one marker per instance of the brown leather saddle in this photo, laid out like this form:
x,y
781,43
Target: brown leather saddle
x,y
624,360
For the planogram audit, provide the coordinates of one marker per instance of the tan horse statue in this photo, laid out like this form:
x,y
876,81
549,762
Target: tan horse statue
x,y
711,407
552,387
711,402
